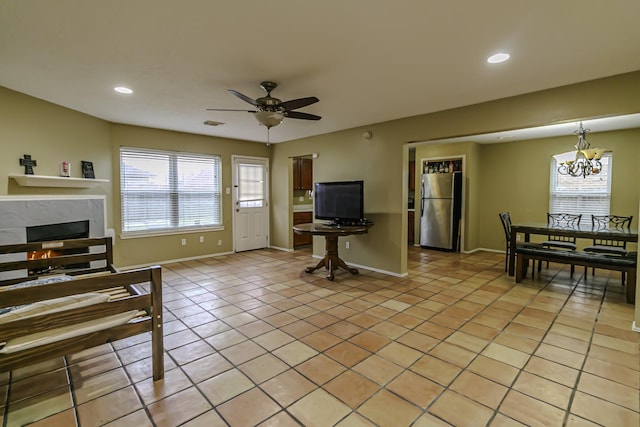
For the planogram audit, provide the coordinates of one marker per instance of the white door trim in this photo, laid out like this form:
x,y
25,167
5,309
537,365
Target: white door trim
x,y
235,160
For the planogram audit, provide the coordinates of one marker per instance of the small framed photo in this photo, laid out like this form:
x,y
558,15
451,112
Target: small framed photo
x,y
87,170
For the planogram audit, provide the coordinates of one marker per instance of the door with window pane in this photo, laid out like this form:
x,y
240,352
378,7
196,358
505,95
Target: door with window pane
x,y
251,204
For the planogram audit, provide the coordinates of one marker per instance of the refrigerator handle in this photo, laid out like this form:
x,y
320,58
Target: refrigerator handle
x,y
421,206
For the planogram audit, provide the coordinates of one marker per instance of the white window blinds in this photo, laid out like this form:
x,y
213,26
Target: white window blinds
x,y
167,191
588,196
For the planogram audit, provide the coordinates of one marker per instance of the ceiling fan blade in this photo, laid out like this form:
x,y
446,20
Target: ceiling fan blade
x,y
244,97
294,104
300,115
230,109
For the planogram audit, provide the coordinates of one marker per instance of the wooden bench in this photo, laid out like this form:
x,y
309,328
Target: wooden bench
x,y
87,270
627,264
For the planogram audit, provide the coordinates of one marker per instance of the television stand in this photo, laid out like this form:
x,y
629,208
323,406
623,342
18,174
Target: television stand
x,y
331,260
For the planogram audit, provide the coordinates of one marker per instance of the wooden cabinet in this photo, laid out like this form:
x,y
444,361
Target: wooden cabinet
x,y
410,226
302,173
302,239
412,175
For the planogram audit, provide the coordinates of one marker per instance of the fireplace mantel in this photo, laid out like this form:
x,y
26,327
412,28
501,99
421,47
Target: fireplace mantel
x,y
56,181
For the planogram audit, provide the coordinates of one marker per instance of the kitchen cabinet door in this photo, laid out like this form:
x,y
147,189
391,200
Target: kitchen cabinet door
x,y
302,174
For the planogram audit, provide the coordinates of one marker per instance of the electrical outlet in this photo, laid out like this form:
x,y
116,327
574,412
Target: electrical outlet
x,y
346,245
518,237
201,239
183,242
219,242
301,198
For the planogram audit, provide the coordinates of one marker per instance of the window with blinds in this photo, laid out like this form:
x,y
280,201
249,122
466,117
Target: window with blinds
x,y
251,186
587,196
164,191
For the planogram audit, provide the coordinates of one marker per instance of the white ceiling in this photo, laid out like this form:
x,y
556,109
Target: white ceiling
x,y
368,61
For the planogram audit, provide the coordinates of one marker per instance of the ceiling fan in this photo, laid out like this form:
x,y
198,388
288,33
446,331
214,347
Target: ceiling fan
x,y
271,111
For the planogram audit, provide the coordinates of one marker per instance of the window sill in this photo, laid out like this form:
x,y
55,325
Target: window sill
x,y
145,234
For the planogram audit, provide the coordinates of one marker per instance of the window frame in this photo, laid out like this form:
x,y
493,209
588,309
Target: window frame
x,y
173,195
580,192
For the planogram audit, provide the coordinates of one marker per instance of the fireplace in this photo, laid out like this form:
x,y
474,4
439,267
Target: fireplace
x,y
59,231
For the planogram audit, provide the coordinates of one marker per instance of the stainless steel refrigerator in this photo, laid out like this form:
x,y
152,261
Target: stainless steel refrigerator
x,y
441,207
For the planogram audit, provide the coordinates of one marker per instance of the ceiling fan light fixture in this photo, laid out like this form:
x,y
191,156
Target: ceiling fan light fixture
x,y
269,118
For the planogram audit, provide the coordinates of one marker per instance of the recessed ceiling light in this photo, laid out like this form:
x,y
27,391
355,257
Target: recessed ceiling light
x,y
122,89
497,58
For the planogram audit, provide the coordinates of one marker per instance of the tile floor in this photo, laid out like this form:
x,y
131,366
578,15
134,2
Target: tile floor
x,y
251,340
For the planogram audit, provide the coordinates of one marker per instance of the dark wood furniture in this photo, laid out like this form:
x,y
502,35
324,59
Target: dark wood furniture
x,y
605,245
140,292
626,264
331,260
300,240
582,231
302,173
411,226
561,242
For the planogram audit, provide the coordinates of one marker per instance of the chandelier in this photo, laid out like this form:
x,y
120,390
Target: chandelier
x,y
587,160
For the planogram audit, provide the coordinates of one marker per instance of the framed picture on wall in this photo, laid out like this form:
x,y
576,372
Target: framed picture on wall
x,y
87,170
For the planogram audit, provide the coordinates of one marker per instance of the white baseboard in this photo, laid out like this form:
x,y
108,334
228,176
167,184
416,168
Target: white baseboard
x,y
280,249
366,267
169,261
634,327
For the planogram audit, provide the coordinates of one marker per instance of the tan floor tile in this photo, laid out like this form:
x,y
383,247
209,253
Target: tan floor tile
x,y
399,354
320,369
355,420
479,389
38,384
466,341
428,420
389,329
319,409
206,367
453,354
263,368
530,411
288,387
494,370
347,354
436,370
378,369
568,343
576,421
93,366
273,339
370,341
225,386
236,414
418,341
433,330
138,419
190,402
295,353
281,419
616,344
100,385
460,411
506,355
190,352
208,419
543,389
386,409
603,412
62,419
321,340
37,368
351,388
503,421
42,406
612,371
552,371
622,359
415,388
611,391
108,407
344,330
151,391
560,355
226,339
242,352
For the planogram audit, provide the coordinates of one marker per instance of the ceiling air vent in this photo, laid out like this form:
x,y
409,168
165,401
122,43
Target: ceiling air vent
x,y
212,123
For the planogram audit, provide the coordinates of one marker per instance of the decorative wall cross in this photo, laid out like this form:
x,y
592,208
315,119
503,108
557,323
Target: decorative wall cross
x,y
28,164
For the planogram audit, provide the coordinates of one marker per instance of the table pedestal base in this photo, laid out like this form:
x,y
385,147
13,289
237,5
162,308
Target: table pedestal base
x,y
331,260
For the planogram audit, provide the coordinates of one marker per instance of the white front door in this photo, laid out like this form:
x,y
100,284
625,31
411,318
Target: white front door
x,y
250,203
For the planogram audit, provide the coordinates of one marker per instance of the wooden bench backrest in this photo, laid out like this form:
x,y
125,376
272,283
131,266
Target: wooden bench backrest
x,y
94,255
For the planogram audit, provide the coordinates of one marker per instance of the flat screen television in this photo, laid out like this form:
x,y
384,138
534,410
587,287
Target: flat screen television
x,y
341,202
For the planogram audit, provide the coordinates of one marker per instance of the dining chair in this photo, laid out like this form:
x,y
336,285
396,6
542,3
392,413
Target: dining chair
x,y
606,245
505,218
561,220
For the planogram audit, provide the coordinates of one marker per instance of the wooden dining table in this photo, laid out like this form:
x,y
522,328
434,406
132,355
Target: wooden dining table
x,y
582,231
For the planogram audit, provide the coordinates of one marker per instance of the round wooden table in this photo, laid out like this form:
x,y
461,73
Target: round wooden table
x,y
331,260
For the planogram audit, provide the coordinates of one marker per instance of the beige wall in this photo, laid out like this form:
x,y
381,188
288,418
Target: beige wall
x,y
52,134
146,250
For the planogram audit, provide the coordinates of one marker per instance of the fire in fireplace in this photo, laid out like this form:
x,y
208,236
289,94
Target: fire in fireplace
x,y
60,231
